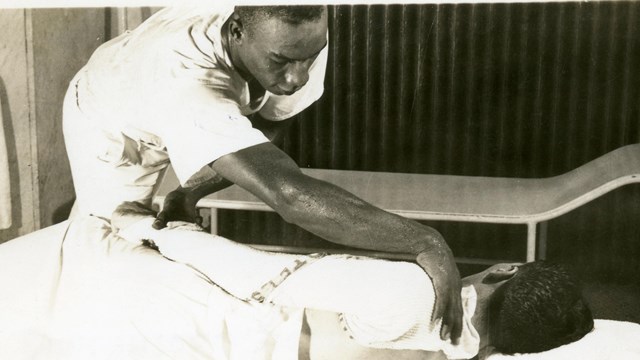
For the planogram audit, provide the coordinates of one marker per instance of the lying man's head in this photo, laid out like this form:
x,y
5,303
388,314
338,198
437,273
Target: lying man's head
x,y
276,45
529,308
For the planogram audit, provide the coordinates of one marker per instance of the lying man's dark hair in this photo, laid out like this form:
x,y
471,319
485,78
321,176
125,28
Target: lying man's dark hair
x,y
292,14
539,309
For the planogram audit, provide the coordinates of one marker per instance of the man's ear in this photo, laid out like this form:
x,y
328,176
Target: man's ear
x,y
500,273
236,28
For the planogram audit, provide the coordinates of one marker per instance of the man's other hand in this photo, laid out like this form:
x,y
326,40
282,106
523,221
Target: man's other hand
x,y
448,285
177,207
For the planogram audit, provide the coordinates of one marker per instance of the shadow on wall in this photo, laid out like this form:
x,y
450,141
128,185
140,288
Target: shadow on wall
x,y
61,213
14,173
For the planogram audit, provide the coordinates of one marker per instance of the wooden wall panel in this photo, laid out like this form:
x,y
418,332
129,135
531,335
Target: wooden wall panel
x,y
40,51
14,96
62,40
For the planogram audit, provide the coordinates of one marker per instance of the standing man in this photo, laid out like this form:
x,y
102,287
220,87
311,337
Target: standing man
x,y
181,87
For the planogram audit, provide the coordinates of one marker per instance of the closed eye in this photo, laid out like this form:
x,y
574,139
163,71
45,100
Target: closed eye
x,y
279,61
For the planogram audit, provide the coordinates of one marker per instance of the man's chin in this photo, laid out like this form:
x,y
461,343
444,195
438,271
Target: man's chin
x,y
280,92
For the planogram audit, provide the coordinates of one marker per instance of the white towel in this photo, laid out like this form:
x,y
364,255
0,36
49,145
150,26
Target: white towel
x,y
5,184
609,340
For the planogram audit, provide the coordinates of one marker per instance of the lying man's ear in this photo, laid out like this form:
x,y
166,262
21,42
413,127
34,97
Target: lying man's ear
x,y
500,273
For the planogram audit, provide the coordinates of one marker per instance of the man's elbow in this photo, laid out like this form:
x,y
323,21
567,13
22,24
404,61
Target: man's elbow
x,y
293,203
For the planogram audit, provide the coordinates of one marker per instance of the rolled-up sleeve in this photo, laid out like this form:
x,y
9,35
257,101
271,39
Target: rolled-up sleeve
x,y
199,125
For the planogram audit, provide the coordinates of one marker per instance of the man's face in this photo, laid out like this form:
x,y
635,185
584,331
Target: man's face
x,y
278,55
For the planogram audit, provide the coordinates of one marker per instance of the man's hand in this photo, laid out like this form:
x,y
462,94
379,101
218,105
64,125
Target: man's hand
x,y
177,207
447,284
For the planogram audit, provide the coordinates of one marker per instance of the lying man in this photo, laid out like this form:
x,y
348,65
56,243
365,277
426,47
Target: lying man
x,y
355,304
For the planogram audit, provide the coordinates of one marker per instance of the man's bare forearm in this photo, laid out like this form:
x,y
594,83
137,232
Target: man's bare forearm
x,y
340,217
323,208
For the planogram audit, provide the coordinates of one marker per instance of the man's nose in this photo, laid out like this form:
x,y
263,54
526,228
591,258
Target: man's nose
x,y
297,75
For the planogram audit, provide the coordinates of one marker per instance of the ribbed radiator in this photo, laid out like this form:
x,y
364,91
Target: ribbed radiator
x,y
514,90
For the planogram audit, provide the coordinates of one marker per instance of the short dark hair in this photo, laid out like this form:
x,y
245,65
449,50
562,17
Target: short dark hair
x,y
539,309
291,14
